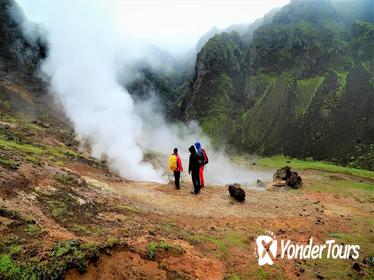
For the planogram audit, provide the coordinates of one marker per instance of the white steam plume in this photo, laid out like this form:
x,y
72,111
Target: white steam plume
x,y
160,136
81,67
85,52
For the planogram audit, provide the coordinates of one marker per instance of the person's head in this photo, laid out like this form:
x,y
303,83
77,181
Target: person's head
x,y
175,150
192,149
198,146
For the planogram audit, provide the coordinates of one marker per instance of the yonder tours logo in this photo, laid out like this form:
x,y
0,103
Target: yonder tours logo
x,y
268,245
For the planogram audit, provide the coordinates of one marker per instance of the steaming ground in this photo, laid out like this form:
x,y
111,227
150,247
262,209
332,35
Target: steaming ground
x,y
161,137
84,53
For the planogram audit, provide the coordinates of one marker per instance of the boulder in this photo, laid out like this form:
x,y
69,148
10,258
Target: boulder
x,y
284,176
294,181
237,192
282,173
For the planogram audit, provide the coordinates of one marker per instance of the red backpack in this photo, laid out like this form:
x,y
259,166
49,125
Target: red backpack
x,y
205,157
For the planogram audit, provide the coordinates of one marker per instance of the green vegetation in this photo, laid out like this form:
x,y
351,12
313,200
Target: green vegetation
x,y
33,229
218,242
24,148
336,269
63,256
72,253
81,229
261,273
267,81
234,276
361,238
9,269
65,179
34,160
346,188
269,273
154,246
9,163
306,89
112,242
230,239
342,76
58,209
167,227
300,84
63,248
15,250
280,161
126,207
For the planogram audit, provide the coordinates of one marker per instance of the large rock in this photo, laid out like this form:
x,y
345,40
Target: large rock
x,y
291,178
294,181
282,173
237,192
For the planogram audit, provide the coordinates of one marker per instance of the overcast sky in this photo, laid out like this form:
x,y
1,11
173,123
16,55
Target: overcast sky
x,y
172,25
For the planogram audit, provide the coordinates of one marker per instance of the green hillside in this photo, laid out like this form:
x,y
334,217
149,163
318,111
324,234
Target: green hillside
x,y
302,87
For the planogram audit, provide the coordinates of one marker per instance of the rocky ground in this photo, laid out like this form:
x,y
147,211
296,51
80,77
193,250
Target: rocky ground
x,y
64,214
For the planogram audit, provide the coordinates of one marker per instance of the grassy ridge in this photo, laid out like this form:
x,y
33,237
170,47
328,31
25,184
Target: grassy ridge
x,y
279,161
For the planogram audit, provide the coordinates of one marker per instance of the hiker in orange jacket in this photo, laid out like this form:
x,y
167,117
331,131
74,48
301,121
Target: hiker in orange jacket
x,y
204,160
178,170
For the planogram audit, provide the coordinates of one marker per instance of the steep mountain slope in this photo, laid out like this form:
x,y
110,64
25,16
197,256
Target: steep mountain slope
x,y
22,92
169,77
303,86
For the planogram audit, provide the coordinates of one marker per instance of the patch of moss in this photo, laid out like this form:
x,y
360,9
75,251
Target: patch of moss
x,y
65,179
154,247
218,242
15,250
167,227
9,269
126,207
35,126
236,240
64,256
234,276
112,242
58,209
34,160
81,229
33,229
8,163
261,273
25,148
270,273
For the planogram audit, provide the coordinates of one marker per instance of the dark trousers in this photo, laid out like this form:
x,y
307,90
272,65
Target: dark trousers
x,y
195,180
177,176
